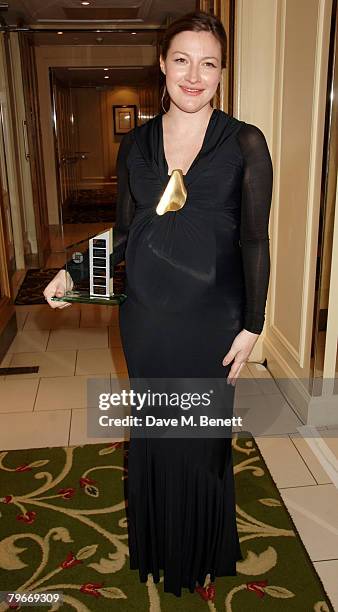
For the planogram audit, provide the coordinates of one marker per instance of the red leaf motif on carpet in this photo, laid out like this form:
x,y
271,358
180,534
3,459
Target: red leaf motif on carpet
x,y
90,588
67,493
28,517
256,587
84,481
7,499
23,468
211,590
70,561
203,592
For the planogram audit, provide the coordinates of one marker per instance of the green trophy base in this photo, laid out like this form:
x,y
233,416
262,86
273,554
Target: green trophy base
x,y
84,297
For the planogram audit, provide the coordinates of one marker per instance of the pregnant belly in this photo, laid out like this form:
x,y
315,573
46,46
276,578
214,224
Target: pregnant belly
x,y
171,261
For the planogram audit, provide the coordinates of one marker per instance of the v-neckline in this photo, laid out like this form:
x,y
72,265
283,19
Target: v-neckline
x,y
199,152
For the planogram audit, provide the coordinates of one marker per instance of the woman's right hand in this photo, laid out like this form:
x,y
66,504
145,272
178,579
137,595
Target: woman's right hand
x,y
61,282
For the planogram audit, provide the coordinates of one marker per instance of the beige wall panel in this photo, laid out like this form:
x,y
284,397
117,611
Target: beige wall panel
x,y
281,49
295,152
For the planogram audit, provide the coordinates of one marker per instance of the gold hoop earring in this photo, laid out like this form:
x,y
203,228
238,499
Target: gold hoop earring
x,y
163,94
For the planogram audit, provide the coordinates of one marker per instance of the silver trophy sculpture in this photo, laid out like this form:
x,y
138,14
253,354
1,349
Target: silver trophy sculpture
x,y
90,264
100,265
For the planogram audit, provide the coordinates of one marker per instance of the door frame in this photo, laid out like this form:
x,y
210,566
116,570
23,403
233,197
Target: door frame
x,y
31,99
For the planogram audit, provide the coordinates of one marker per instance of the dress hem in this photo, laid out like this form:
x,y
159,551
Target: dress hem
x,y
213,576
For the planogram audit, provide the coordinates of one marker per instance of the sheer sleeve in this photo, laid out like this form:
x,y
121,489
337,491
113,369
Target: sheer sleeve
x,y
125,204
257,185
125,209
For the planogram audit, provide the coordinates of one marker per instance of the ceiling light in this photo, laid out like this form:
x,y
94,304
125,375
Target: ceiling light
x,y
112,68
60,32
85,3
105,68
133,32
106,77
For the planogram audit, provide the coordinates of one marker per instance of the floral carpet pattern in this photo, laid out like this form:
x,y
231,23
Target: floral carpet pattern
x,y
63,528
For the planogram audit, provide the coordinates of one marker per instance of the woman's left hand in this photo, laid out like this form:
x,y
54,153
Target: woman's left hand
x,y
240,350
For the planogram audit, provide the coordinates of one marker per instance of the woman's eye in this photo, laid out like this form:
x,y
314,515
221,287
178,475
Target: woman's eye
x,y
178,59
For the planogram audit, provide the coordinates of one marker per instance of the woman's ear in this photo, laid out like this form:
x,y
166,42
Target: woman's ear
x,y
162,64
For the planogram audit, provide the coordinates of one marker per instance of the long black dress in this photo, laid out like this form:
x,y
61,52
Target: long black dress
x,y
195,278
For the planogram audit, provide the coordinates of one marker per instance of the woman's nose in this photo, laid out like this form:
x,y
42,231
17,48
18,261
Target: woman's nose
x,y
193,73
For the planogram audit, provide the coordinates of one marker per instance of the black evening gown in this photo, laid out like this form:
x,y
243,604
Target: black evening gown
x,y
194,279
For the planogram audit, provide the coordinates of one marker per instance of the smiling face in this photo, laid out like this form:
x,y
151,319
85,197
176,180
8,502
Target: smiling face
x,y
193,69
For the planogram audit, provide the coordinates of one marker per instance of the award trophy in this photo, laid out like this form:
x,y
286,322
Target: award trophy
x,y
90,272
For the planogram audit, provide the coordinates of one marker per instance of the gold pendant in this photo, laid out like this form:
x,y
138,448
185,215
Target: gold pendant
x,y
175,194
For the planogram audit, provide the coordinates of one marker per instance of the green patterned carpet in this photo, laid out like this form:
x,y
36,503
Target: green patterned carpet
x,y
63,528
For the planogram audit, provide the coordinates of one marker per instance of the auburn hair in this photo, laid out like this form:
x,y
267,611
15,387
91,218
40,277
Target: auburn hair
x,y
196,21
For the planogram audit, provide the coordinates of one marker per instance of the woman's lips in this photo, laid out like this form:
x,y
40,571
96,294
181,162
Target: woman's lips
x,y
192,91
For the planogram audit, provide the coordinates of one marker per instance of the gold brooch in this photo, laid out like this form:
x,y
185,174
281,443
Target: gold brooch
x,y
175,194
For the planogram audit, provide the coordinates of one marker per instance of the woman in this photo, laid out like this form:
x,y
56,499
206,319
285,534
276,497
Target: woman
x,y
197,281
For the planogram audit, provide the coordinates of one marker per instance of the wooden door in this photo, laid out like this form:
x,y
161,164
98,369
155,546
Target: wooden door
x,y
30,86
65,145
